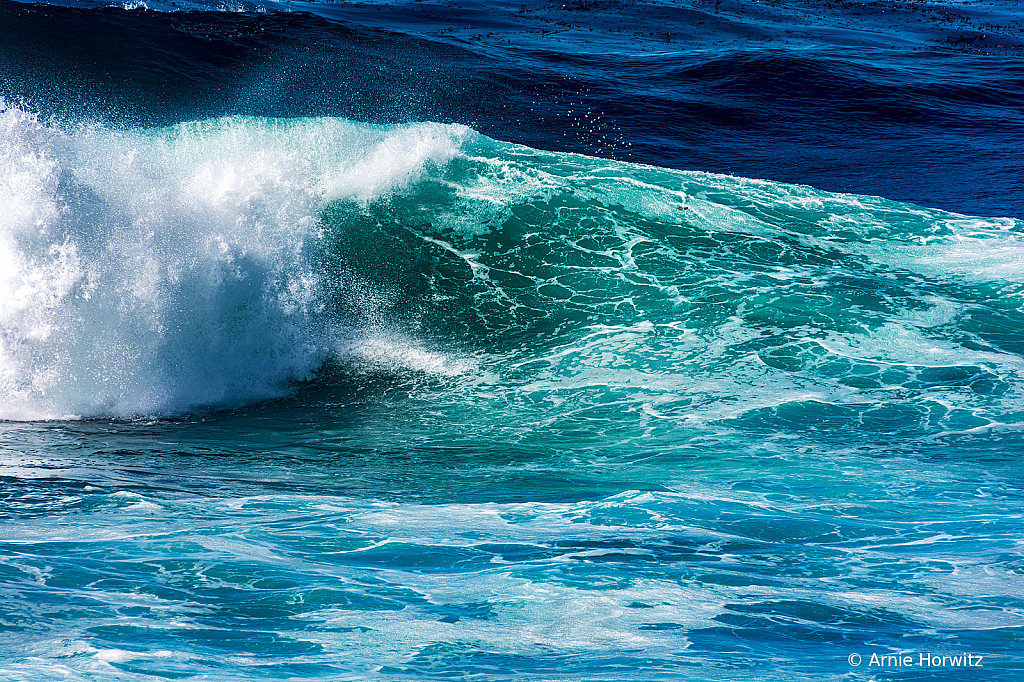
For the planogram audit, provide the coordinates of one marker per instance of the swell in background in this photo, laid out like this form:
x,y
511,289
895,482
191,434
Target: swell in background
x,y
912,101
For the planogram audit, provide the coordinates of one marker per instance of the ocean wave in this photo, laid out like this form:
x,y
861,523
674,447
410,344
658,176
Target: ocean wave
x,y
154,272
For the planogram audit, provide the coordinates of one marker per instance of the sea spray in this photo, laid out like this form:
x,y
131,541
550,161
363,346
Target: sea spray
x,y
153,272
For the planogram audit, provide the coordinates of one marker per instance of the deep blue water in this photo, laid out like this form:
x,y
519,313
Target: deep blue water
x,y
512,341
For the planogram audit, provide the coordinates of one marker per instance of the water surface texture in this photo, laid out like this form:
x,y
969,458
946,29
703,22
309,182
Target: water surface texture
x,y
504,341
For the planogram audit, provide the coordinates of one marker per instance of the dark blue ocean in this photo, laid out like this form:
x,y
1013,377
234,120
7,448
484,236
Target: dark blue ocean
x,y
525,340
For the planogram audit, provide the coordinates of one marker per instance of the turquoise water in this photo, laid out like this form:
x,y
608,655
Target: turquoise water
x,y
321,400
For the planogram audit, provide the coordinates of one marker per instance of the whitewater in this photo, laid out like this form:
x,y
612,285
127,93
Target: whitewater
x,y
148,273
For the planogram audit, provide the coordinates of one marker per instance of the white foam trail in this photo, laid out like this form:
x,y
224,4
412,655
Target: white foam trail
x,y
154,272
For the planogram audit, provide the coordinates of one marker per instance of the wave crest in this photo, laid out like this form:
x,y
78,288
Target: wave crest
x,y
152,272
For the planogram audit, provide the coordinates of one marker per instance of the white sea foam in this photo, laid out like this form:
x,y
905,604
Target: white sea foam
x,y
154,272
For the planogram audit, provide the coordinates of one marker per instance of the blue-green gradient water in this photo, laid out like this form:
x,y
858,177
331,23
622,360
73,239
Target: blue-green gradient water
x,y
311,398
537,414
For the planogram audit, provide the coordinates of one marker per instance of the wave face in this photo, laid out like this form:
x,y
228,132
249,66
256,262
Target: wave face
x,y
154,272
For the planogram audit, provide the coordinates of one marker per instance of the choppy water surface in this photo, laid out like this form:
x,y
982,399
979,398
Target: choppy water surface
x,y
305,374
